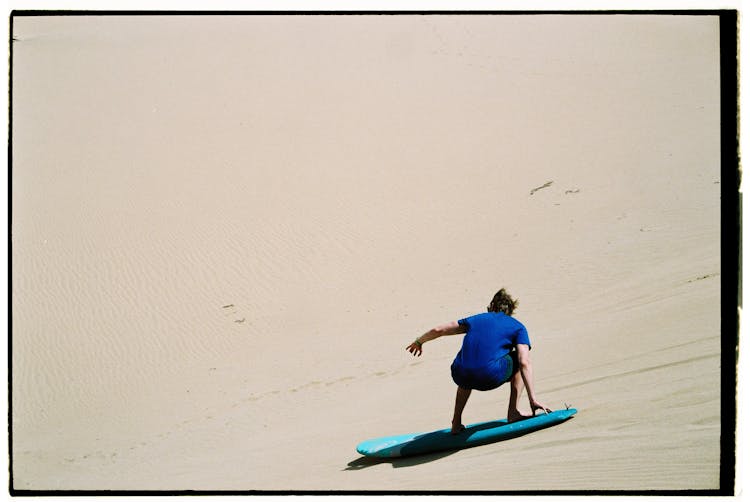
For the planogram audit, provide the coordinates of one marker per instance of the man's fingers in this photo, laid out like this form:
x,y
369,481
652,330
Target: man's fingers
x,y
540,406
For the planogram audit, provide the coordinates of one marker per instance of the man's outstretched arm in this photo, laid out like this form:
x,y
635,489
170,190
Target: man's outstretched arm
x,y
451,328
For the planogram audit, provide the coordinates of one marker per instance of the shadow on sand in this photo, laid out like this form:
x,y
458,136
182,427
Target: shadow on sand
x,y
397,462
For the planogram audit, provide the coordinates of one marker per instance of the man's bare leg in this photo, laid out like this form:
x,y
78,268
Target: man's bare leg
x,y
516,388
462,395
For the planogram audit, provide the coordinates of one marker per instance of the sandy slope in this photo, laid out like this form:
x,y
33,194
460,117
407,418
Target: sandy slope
x,y
226,230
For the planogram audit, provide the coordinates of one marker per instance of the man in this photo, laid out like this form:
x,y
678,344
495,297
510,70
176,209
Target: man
x,y
495,350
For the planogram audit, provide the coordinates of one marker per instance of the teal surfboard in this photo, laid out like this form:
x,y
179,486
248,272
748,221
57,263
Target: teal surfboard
x,y
477,434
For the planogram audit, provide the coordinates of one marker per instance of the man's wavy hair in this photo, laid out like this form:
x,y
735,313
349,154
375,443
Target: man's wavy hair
x,y
502,302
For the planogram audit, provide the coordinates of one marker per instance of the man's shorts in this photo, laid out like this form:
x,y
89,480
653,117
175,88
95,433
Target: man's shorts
x,y
487,378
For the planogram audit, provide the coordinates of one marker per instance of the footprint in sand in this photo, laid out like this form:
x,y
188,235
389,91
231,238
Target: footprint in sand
x,y
534,190
231,310
337,381
707,276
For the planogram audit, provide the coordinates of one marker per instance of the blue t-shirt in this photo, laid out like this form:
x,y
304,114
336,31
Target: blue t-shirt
x,y
489,337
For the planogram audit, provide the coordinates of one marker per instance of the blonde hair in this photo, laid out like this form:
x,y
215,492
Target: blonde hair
x,y
502,302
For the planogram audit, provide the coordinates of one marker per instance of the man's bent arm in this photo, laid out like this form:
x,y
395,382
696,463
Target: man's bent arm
x,y
451,328
524,363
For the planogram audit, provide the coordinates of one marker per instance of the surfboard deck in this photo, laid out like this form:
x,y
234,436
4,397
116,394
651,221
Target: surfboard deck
x,y
404,445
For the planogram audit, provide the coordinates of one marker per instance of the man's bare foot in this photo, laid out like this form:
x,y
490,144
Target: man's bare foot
x,y
457,429
515,416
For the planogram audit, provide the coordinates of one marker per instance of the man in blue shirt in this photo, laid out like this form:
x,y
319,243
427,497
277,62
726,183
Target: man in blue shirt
x,y
495,350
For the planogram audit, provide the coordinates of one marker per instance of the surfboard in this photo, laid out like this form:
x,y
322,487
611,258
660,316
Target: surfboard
x,y
474,435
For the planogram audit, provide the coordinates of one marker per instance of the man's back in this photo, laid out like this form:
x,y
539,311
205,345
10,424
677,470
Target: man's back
x,y
490,336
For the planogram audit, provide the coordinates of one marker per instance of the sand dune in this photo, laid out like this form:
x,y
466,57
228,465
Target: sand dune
x,y
226,230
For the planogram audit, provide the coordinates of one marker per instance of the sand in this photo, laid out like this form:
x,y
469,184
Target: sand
x,y
226,230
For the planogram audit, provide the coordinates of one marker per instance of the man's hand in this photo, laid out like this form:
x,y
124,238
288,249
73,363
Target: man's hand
x,y
415,348
536,405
